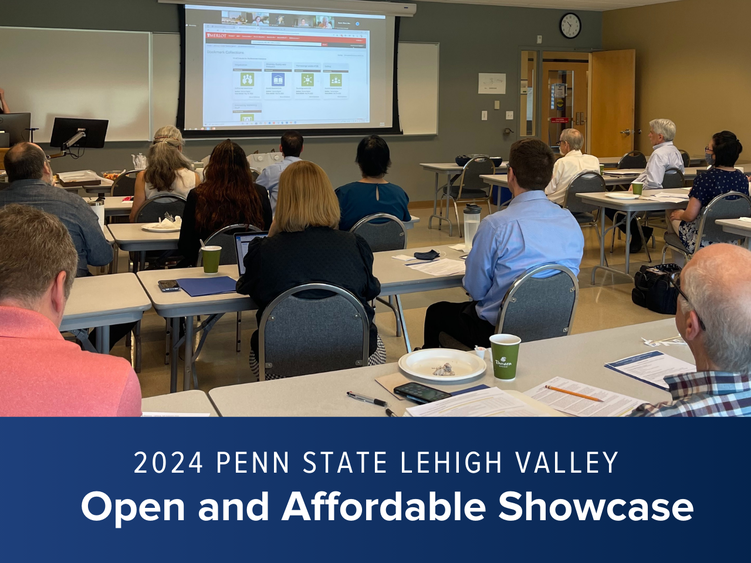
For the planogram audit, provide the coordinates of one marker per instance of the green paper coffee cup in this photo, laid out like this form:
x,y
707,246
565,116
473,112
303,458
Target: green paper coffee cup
x,y
505,349
638,188
211,255
602,169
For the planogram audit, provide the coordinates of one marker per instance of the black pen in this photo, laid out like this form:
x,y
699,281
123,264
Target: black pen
x,y
389,412
364,399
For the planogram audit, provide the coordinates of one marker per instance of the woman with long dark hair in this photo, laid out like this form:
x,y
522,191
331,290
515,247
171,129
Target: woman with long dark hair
x,y
227,196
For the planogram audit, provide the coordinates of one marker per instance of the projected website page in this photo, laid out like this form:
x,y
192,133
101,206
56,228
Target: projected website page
x,y
276,69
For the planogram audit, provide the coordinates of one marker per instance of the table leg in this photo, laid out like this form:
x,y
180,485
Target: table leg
x,y
99,336
441,217
188,362
435,203
629,216
174,352
403,321
603,261
142,260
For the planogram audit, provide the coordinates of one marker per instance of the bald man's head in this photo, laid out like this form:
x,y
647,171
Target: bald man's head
x,y
717,280
25,161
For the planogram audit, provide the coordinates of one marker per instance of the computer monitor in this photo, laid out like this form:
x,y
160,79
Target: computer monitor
x,y
16,125
65,128
242,240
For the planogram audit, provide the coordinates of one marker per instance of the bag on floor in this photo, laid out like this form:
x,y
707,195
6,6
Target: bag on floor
x,y
653,290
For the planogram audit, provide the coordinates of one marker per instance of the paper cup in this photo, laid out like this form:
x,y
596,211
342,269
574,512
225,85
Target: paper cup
x,y
602,169
211,255
637,187
505,348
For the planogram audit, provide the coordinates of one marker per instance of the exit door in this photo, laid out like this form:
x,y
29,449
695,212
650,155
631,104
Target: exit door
x,y
565,94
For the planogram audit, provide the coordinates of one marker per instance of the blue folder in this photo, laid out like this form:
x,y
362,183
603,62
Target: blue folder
x,y
198,287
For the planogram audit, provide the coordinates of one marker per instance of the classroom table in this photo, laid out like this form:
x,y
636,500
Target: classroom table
x,y
102,301
580,357
612,161
184,402
631,207
113,206
450,169
132,238
613,178
396,279
737,227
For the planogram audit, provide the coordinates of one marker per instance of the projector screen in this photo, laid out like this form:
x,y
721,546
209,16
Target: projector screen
x,y
254,71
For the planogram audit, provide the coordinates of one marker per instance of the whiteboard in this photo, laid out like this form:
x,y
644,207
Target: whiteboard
x,y
79,73
417,76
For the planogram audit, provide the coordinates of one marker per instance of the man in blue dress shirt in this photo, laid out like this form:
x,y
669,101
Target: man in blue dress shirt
x,y
291,147
531,232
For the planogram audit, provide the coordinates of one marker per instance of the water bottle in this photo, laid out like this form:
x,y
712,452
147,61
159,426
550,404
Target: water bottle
x,y
98,207
471,224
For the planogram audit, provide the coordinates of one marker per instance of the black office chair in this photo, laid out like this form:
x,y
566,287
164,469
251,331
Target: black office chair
x,y
633,159
125,184
686,158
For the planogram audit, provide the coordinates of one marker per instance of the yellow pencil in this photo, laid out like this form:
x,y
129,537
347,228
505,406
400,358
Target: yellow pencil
x,y
574,393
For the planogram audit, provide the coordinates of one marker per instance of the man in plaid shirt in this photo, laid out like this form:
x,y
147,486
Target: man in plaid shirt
x,y
714,318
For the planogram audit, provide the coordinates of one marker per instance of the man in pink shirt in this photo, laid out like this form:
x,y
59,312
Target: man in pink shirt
x,y
40,373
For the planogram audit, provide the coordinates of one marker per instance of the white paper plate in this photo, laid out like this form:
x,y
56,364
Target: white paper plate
x,y
622,195
154,228
423,363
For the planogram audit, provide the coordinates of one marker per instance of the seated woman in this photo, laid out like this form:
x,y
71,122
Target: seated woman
x,y
226,197
168,171
373,193
305,246
723,151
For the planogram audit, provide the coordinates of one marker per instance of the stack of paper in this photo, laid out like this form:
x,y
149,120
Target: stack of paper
x,y
443,267
485,402
666,197
651,367
609,404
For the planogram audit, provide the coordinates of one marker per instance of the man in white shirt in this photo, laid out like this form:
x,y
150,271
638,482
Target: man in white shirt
x,y
664,156
570,165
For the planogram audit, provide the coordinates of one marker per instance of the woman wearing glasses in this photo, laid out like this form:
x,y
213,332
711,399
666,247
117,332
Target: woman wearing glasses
x,y
722,153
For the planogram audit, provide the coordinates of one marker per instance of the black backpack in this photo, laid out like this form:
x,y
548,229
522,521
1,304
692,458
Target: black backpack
x,y
653,290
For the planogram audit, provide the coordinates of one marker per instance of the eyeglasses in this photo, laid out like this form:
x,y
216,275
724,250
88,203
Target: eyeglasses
x,y
708,149
675,279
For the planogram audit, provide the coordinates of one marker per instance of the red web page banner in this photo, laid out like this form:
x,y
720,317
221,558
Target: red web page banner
x,y
301,38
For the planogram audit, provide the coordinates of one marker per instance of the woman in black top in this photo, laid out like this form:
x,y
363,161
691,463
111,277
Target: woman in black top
x,y
304,246
227,196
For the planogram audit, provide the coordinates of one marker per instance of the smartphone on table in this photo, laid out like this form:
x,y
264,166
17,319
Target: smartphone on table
x,y
419,393
168,285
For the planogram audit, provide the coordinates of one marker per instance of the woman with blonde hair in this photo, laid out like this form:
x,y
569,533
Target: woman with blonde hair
x,y
304,246
169,171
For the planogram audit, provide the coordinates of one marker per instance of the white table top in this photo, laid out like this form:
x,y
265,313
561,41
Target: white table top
x,y
184,402
601,199
396,278
622,177
104,301
735,226
449,167
108,235
580,357
114,205
132,237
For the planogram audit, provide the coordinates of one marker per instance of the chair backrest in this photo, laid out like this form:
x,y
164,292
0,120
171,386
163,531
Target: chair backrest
x,y
470,178
537,308
382,231
583,183
157,207
673,178
225,237
633,159
125,184
325,330
686,158
726,206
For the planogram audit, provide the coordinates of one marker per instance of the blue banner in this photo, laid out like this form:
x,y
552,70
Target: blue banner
x,y
379,489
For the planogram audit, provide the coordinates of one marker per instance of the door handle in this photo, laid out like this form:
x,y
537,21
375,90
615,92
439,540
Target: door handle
x,y
626,132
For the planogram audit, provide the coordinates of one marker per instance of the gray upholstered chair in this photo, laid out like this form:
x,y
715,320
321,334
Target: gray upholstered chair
x,y
324,331
583,183
726,206
383,232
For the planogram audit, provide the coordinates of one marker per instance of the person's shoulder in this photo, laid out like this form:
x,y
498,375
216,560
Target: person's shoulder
x,y
100,363
347,188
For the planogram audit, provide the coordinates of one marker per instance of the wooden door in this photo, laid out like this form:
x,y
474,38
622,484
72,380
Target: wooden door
x,y
612,94
571,69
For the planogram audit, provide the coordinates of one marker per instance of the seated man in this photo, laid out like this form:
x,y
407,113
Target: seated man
x,y
31,184
291,147
531,232
570,165
664,156
41,374
714,318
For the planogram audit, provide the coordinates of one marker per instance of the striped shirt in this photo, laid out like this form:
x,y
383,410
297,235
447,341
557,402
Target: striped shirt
x,y
704,393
